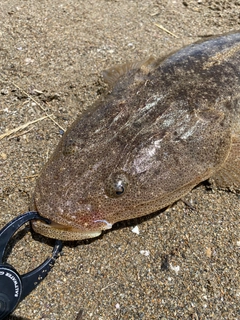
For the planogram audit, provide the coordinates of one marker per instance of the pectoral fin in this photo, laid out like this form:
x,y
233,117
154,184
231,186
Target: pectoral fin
x,y
112,75
229,174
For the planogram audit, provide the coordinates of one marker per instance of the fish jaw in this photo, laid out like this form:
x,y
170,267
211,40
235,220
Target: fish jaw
x,y
61,232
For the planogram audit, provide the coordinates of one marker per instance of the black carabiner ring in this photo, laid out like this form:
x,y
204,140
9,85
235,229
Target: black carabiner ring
x,y
14,287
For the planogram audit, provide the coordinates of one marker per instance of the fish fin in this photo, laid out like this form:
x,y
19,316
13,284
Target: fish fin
x,y
229,174
148,64
112,75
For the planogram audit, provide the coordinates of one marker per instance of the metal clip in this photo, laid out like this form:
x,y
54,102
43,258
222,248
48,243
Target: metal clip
x,y
13,286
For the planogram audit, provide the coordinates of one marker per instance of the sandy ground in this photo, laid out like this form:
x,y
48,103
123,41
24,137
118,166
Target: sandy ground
x,y
184,264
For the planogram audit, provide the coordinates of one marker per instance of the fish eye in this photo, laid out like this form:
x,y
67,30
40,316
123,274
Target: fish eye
x,y
116,185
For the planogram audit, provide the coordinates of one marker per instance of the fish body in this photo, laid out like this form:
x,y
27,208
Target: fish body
x,y
167,125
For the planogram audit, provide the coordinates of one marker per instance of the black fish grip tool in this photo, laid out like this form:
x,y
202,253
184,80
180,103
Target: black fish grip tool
x,y
13,286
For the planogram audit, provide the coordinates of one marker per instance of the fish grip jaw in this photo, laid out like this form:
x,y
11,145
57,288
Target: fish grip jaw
x,y
13,286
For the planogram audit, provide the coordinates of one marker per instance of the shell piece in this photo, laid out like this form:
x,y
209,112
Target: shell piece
x,y
167,125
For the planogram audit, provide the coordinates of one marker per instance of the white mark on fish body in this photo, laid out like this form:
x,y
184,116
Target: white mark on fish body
x,y
119,115
99,129
108,224
68,203
92,169
157,143
144,160
190,132
168,122
155,101
152,151
60,210
85,207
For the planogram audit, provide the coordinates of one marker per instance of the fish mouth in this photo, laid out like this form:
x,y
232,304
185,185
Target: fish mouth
x,y
59,231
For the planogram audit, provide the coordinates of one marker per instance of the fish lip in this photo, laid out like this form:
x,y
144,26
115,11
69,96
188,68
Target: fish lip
x,y
64,227
48,222
62,232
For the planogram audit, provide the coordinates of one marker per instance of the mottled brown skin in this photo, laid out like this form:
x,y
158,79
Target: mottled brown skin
x,y
167,125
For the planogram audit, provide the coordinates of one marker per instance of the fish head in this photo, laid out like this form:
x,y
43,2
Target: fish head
x,y
91,182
